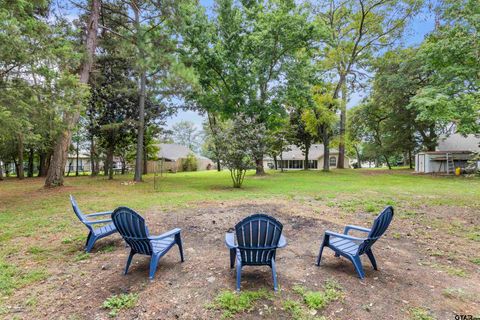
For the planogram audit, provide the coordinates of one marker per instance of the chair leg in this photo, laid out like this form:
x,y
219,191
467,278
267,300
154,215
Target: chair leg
x,y
324,243
178,240
232,258
372,258
153,265
88,239
129,260
239,274
274,275
358,266
91,242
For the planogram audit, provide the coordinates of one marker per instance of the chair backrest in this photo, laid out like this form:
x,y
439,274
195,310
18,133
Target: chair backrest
x,y
257,238
77,211
379,227
132,227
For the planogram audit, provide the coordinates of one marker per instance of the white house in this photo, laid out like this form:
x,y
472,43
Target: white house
x,y
453,151
294,158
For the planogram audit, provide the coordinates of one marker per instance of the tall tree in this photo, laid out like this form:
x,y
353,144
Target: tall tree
x,y
186,133
240,56
358,29
71,117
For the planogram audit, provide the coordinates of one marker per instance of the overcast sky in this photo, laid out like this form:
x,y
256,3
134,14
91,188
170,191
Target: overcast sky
x,y
421,25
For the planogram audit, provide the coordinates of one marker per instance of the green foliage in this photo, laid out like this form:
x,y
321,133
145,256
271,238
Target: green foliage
x,y
82,256
232,303
320,299
118,302
190,163
419,313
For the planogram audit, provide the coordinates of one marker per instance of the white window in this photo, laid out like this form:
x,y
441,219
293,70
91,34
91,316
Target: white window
x,y
333,161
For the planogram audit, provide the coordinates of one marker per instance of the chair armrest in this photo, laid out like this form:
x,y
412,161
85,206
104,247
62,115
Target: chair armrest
x,y
99,221
97,214
230,240
282,242
343,236
351,227
166,234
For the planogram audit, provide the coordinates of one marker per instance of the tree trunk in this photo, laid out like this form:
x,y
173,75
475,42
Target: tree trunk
x,y
145,159
15,163
259,170
93,164
20,173
388,163
76,159
42,163
343,122
141,103
218,165
30,163
359,161
124,165
70,118
109,168
307,149
410,162
1,170
275,162
281,162
326,150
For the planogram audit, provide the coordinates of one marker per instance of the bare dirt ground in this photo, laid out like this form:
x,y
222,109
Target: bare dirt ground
x,y
415,268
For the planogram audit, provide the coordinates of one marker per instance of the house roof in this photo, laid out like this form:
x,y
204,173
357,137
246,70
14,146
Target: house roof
x,y
295,153
174,151
458,142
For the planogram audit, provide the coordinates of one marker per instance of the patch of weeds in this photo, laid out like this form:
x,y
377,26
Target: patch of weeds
x,y
232,303
12,277
118,302
396,235
456,293
330,204
371,207
419,313
475,260
294,308
450,270
108,248
455,271
320,299
407,214
32,301
474,235
82,256
36,250
437,253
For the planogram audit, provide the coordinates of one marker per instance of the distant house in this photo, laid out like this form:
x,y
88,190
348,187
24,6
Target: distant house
x,y
172,156
453,151
84,163
294,158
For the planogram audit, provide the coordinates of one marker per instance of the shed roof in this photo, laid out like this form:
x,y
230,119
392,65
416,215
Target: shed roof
x,y
174,151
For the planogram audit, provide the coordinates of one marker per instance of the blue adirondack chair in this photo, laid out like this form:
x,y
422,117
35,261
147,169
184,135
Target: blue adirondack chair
x,y
257,239
95,233
352,247
132,227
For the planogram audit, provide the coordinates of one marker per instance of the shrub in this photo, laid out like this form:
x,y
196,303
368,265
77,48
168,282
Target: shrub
x,y
190,163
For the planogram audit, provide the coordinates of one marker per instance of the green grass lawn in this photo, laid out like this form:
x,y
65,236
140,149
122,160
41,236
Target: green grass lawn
x,y
26,208
39,229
